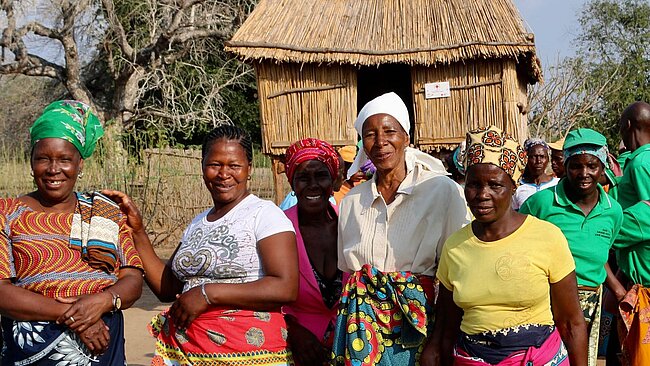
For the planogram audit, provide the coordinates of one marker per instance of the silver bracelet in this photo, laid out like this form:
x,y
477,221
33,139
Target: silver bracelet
x,y
205,296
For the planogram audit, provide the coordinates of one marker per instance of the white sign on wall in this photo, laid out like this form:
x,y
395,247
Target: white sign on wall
x,y
436,90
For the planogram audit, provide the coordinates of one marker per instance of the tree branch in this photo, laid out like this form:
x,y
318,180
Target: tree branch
x,y
118,29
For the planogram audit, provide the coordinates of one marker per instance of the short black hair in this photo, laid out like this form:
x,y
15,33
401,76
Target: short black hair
x,y
228,132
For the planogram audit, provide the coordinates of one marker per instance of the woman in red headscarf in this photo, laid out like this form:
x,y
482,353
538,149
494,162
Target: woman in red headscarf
x,y
312,166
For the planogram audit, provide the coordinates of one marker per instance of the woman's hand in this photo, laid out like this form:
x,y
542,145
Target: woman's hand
x,y
96,337
430,354
133,216
305,347
85,311
187,307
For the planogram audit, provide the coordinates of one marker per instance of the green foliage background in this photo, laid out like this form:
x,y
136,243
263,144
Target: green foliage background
x,y
615,38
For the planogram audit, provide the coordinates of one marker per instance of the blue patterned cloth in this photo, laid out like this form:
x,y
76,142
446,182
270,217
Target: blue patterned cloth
x,y
382,319
51,344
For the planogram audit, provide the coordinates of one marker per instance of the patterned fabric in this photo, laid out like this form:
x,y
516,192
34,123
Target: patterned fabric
x,y
311,149
492,146
590,303
634,329
382,319
600,152
95,230
222,337
329,289
35,253
495,346
551,353
51,344
72,121
534,141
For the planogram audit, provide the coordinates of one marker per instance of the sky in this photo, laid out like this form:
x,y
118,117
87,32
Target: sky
x,y
555,25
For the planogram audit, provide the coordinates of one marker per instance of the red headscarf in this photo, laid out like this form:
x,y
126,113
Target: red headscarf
x,y
311,149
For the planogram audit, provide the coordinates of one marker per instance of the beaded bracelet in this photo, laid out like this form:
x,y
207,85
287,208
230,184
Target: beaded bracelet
x,y
205,296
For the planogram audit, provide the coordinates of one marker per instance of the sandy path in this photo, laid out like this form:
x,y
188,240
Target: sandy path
x,y
139,343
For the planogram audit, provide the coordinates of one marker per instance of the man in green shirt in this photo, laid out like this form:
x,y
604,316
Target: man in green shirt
x,y
633,241
634,247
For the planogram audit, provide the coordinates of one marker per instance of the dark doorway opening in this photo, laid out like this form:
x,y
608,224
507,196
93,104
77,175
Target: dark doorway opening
x,y
373,81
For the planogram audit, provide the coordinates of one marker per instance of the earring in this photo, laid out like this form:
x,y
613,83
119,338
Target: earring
x,y
80,175
249,177
31,172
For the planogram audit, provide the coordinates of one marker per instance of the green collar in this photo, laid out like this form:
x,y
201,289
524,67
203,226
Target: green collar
x,y
638,151
562,199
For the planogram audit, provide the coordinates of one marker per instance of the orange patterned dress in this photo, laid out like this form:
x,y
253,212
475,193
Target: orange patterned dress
x,y
37,254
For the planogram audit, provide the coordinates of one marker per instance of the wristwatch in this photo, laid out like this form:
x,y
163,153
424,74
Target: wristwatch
x,y
117,301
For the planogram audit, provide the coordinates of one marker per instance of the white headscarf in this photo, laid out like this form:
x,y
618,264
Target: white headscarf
x,y
392,104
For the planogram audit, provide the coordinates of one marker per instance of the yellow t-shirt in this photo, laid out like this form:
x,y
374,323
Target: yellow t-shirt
x,y
504,283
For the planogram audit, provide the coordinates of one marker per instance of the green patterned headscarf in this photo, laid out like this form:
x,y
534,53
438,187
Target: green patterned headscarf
x,y
70,120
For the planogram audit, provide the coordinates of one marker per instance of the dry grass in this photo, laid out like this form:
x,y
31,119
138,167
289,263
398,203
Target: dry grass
x,y
166,184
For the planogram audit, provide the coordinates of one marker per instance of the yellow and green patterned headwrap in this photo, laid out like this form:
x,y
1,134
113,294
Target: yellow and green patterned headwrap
x,y
70,120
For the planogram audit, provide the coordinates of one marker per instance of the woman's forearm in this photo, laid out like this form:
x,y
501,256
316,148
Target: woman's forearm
x,y
128,287
158,276
28,306
613,284
267,293
574,336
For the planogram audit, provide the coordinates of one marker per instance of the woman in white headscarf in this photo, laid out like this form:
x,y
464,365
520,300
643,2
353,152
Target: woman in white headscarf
x,y
391,232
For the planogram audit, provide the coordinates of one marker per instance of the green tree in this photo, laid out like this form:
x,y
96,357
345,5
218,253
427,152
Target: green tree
x,y
615,40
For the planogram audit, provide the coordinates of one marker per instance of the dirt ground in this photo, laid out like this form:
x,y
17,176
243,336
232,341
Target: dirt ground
x,y
139,343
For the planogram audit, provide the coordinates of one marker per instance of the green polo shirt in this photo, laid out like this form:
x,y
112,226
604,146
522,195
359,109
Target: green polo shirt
x,y
633,244
635,183
590,237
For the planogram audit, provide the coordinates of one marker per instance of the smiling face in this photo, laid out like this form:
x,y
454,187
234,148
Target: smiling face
x,y
384,141
56,163
488,191
583,171
537,160
225,172
312,184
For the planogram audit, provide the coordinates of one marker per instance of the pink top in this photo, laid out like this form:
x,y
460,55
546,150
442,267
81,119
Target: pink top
x,y
309,309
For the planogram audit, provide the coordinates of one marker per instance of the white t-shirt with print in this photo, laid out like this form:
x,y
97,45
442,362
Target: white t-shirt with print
x,y
225,250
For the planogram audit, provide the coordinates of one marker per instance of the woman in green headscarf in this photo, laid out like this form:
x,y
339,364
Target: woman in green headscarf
x,y
67,259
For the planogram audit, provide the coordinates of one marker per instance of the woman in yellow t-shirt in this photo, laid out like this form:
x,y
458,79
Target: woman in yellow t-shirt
x,y
508,293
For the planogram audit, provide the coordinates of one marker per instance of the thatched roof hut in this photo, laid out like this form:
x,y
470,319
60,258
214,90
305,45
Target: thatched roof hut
x,y
319,61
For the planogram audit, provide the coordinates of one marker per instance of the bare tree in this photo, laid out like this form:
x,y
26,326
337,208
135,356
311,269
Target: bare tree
x,y
568,96
142,42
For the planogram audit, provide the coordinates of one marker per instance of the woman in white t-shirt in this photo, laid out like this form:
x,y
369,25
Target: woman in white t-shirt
x,y
235,267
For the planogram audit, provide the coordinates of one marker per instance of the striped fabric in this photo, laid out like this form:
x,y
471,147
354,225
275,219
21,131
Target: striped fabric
x,y
35,251
95,230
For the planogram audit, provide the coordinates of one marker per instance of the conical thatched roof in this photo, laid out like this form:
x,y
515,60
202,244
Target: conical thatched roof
x,y
371,32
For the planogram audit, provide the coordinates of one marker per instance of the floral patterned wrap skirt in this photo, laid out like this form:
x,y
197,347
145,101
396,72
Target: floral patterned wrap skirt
x,y
222,337
51,344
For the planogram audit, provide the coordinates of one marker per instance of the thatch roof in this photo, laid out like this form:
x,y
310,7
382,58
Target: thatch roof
x,y
372,32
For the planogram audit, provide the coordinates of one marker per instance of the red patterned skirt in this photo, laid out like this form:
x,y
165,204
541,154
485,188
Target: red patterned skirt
x,y
222,337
